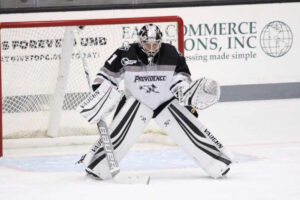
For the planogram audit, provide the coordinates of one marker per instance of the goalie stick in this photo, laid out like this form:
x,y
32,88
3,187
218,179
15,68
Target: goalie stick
x,y
105,137
101,125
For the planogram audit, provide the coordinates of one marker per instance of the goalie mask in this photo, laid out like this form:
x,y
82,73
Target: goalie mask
x,y
150,38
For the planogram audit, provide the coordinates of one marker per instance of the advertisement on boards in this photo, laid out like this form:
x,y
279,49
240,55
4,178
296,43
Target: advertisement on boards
x,y
241,44
236,44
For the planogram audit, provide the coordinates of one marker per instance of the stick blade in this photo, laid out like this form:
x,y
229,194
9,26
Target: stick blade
x,y
132,179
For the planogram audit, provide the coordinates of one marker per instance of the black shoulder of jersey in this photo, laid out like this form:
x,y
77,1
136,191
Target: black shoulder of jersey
x,y
168,54
171,56
129,51
167,45
114,62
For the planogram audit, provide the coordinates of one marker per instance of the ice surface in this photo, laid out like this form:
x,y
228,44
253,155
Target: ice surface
x,y
263,137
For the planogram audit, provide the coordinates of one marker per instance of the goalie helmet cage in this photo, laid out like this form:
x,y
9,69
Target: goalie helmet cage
x,y
42,75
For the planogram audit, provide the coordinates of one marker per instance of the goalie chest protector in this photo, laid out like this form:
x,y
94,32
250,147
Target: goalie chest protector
x,y
149,82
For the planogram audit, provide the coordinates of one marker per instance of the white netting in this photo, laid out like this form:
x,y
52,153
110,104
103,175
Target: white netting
x,y
30,64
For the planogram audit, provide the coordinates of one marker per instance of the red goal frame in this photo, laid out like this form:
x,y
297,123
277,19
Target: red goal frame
x,y
88,22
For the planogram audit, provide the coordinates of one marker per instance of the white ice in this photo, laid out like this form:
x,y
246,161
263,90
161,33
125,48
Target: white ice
x,y
263,137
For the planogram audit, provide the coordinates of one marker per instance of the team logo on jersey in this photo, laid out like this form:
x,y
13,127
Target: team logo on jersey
x,y
125,61
149,88
149,78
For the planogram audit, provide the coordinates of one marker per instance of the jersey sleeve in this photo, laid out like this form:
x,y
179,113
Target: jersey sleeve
x,y
112,70
182,72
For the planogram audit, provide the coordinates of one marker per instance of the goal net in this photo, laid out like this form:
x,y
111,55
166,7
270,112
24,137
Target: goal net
x,y
42,75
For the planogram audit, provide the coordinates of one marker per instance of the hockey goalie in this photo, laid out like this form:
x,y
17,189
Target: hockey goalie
x,y
157,85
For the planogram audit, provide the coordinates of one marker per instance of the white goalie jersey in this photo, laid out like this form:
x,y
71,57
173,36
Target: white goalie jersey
x,y
149,81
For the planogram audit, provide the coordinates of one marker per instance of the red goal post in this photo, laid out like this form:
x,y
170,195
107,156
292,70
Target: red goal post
x,y
31,55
